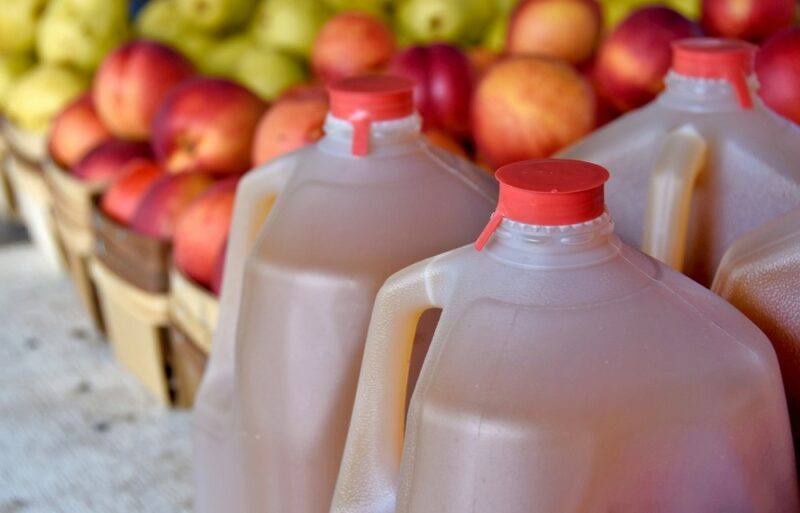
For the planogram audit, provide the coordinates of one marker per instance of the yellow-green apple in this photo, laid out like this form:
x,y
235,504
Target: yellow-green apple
x,y
164,201
122,197
223,56
18,21
79,33
452,21
615,11
778,69
131,84
482,58
378,8
215,15
753,20
157,21
530,107
631,63
201,231
564,29
689,8
38,95
108,160
206,124
443,77
352,43
12,67
268,73
294,121
75,131
289,25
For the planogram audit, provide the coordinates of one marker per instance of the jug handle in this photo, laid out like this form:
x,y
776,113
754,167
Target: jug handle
x,y
672,179
255,196
370,467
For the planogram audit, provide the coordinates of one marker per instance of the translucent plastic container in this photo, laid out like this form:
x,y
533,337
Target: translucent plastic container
x,y
760,275
368,199
568,373
700,165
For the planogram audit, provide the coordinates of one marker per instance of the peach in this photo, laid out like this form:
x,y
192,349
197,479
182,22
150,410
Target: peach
x,y
294,121
633,60
131,84
122,197
201,231
107,161
778,69
530,107
164,200
564,29
753,20
76,131
351,43
207,124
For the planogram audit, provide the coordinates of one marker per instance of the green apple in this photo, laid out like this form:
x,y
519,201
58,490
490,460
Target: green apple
x,y
378,8
222,58
495,38
216,15
18,20
453,21
158,21
268,73
11,68
80,33
41,93
689,8
289,25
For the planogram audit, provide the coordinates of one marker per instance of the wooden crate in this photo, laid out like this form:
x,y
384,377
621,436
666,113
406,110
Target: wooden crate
x,y
72,208
131,273
8,205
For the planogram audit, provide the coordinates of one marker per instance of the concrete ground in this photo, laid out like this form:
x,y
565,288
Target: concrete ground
x,y
77,434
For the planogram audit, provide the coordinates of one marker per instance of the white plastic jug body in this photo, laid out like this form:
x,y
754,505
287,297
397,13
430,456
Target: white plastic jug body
x,y
568,372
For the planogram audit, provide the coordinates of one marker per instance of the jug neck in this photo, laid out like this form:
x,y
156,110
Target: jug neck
x,y
685,92
385,137
566,246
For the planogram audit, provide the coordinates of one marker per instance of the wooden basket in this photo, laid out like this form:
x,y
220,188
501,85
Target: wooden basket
x,y
193,313
8,205
132,279
72,209
34,203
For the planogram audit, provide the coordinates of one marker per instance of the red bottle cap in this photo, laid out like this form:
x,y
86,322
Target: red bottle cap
x,y
727,59
548,192
364,99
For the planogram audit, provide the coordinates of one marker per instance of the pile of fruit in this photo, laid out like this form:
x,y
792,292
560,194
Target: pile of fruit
x,y
497,81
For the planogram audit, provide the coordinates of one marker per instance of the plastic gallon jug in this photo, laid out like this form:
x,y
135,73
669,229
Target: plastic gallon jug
x,y
760,275
701,164
568,373
370,198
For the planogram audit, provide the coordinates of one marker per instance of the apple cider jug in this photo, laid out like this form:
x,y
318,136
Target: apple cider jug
x,y
568,373
371,197
702,164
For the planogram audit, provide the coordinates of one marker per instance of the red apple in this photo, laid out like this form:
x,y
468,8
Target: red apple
x,y
201,231
122,197
108,160
219,270
778,69
530,107
294,121
633,60
164,200
753,20
564,29
444,83
76,131
131,84
351,43
207,124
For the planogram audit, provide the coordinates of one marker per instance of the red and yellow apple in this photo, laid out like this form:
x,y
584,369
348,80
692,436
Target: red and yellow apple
x,y
530,107
351,43
122,197
778,69
564,29
75,131
201,231
131,84
207,124
294,121
108,160
164,201
444,78
753,20
633,60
